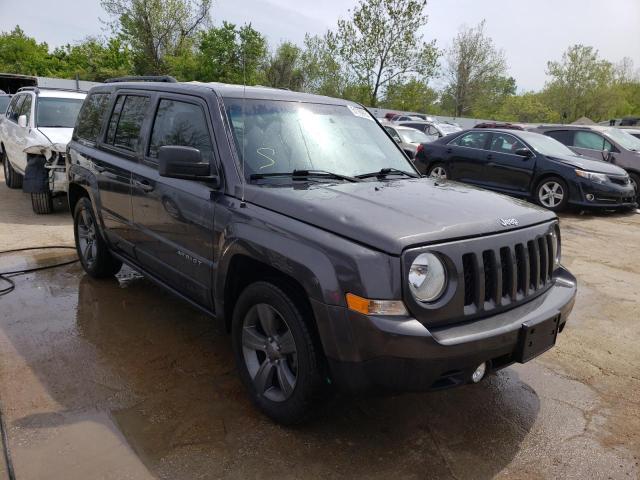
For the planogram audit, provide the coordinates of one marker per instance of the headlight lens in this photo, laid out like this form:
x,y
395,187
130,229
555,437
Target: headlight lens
x,y
593,176
427,278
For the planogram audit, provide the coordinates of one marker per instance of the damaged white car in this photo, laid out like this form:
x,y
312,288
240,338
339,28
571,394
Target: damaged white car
x,y
34,133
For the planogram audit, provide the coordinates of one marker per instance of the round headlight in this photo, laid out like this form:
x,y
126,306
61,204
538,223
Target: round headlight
x,y
427,277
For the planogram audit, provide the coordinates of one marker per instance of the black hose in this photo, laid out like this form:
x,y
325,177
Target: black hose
x,y
12,285
4,438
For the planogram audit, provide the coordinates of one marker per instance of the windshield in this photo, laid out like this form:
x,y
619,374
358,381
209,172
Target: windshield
x,y
282,136
58,112
4,102
546,145
447,129
624,139
413,136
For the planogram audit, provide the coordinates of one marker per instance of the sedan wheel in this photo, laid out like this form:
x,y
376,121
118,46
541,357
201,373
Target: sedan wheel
x,y
270,352
553,194
438,172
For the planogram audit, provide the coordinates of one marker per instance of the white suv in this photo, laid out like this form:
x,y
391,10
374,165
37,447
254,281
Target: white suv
x,y
34,133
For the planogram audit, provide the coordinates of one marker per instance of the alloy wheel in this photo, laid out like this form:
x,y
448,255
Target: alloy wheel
x,y
438,172
551,194
87,238
270,353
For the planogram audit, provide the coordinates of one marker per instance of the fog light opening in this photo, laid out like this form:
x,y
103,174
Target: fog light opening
x,y
590,197
479,372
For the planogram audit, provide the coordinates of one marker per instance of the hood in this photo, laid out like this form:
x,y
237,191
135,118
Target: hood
x,y
590,164
57,135
393,215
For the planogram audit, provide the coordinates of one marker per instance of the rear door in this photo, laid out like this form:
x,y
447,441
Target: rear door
x,y
10,128
173,218
112,164
467,156
505,170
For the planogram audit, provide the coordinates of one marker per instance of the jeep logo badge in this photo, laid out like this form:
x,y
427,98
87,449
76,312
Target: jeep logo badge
x,y
509,222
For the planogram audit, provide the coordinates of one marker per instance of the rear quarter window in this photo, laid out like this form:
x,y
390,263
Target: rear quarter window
x,y
91,117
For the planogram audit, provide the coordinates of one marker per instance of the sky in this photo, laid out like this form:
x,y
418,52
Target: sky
x,y
531,32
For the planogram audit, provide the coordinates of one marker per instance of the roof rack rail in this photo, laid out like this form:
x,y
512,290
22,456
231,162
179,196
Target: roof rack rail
x,y
37,89
142,78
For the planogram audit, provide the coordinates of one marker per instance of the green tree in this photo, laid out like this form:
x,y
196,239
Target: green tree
x,y
323,72
474,69
94,59
379,44
581,85
24,55
413,95
157,29
231,54
284,68
529,107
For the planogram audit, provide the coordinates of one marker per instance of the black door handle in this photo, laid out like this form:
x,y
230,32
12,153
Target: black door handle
x,y
449,150
143,185
489,157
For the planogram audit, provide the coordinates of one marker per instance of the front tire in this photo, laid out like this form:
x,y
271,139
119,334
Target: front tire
x,y
278,361
635,181
42,203
552,193
11,178
92,250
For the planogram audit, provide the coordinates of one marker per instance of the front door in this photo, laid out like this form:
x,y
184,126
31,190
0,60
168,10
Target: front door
x,y
173,218
506,171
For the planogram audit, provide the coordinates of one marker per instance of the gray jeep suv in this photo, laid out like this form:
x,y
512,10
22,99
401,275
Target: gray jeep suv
x,y
299,225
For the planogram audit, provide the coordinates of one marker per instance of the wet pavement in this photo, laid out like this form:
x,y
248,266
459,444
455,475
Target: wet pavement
x,y
116,379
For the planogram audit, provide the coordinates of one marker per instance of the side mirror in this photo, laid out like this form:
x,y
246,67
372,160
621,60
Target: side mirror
x,y
22,121
607,156
397,139
524,152
183,162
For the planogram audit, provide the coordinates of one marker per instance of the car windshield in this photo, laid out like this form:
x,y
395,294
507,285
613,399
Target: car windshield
x,y
545,145
4,102
624,139
58,112
283,136
413,136
447,129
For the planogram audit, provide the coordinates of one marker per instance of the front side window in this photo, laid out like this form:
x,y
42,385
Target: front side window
x,y
126,122
57,112
25,108
181,124
282,136
14,107
503,143
472,140
589,140
91,116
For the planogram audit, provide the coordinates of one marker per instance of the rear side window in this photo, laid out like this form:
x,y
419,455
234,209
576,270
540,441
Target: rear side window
x,y
181,124
589,140
91,116
126,122
563,136
472,140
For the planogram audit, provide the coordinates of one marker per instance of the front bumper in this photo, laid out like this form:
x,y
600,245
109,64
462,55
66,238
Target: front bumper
x,y
607,195
384,353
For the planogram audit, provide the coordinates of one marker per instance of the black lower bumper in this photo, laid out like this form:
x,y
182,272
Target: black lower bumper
x,y
590,195
383,353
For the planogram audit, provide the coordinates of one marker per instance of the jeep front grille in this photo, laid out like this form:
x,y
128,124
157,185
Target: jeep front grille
x,y
500,276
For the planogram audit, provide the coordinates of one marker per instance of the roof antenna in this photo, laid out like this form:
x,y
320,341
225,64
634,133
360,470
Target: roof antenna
x,y
243,204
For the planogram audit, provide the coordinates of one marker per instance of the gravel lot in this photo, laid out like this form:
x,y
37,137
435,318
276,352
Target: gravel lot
x,y
116,379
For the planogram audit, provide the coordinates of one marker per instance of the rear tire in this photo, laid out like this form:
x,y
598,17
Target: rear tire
x,y
92,250
278,361
11,178
438,171
42,202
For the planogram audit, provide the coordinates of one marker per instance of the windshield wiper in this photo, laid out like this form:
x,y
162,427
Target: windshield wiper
x,y
383,172
303,174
